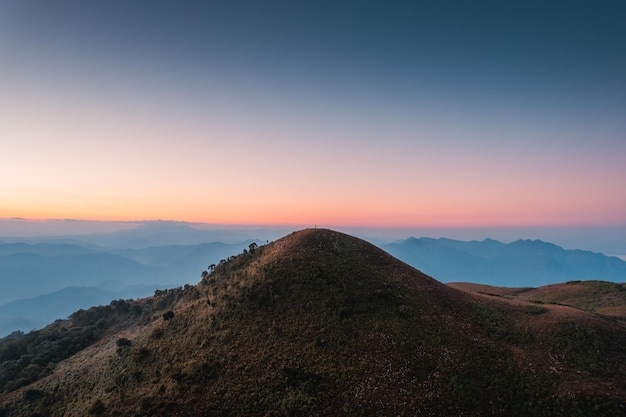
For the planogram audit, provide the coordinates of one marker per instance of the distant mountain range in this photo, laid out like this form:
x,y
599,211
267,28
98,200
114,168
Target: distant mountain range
x,y
155,233
37,274
42,282
37,312
319,323
523,263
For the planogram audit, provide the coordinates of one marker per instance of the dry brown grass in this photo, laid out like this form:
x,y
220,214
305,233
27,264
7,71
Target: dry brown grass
x,y
599,297
320,323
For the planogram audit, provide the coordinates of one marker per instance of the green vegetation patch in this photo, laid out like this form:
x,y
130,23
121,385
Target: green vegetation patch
x,y
534,309
579,346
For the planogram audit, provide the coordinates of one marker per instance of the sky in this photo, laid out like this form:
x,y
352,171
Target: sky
x,y
353,113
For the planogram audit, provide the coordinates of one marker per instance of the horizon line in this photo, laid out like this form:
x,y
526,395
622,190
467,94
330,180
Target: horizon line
x,y
324,225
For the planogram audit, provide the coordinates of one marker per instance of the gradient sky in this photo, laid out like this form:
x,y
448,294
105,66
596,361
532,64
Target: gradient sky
x,y
390,113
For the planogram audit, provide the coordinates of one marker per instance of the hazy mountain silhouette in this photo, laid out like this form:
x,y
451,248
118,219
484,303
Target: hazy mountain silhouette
x,y
153,233
27,274
165,233
53,269
44,249
318,323
37,312
523,263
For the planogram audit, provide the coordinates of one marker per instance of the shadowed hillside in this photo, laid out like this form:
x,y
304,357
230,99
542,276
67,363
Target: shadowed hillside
x,y
319,323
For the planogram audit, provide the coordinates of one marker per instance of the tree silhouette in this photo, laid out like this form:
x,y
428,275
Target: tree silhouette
x,y
252,246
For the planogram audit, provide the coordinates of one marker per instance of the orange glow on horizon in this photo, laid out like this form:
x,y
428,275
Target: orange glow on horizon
x,y
110,133
346,217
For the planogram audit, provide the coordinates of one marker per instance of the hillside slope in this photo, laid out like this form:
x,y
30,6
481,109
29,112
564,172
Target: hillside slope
x,y
601,297
321,323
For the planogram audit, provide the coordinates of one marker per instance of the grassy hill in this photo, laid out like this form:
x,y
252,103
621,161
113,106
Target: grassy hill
x,y
318,323
601,297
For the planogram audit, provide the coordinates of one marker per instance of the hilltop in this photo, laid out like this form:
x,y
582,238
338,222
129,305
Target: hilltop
x,y
318,323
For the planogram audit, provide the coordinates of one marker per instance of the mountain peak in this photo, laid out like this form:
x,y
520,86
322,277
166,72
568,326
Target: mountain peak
x,y
329,251
322,323
327,268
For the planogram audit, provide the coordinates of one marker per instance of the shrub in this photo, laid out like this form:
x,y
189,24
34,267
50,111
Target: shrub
x,y
531,309
122,342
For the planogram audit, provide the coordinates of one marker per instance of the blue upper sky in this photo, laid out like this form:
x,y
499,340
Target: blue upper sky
x,y
533,92
493,48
